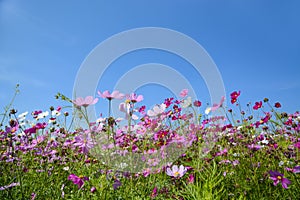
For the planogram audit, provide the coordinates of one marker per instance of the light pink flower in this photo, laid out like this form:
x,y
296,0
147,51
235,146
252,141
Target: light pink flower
x,y
184,93
134,97
216,106
114,95
89,100
176,172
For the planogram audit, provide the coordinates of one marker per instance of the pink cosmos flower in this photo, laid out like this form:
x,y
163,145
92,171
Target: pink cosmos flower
x,y
176,172
278,178
89,100
184,93
134,97
84,142
114,95
216,106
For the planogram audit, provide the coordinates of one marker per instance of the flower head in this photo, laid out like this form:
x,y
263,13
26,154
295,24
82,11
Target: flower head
x,y
89,100
234,95
184,93
157,110
257,105
278,177
77,180
134,97
176,172
114,95
197,103
277,105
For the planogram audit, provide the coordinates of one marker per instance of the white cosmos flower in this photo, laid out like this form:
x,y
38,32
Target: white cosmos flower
x,y
207,110
55,113
157,110
186,103
42,115
22,115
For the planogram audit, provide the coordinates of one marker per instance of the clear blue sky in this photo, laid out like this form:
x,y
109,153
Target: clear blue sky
x,y
255,45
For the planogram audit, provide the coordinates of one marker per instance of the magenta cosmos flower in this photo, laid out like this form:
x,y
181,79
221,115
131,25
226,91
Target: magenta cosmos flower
x,y
257,105
277,178
234,95
77,180
89,100
176,172
114,95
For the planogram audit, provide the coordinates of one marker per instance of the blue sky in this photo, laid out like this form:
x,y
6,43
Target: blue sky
x,y
255,45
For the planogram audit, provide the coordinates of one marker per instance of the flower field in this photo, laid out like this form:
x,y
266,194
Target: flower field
x,y
179,149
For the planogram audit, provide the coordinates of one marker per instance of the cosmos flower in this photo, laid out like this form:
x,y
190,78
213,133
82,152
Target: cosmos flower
x,y
114,95
77,180
257,105
157,110
176,172
184,93
134,97
278,178
89,100
234,95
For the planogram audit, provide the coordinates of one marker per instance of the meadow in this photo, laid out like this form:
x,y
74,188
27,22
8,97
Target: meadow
x,y
179,149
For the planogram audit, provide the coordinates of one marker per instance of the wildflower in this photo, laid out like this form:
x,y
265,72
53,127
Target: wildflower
x,y
176,172
84,142
186,103
191,179
277,105
168,101
9,186
134,97
207,110
93,189
257,105
22,115
216,106
114,95
157,110
184,93
197,103
33,195
117,184
154,193
296,169
42,115
234,95
89,100
77,180
277,177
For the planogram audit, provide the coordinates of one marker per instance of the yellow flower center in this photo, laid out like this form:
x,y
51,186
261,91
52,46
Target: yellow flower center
x,y
279,177
176,174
